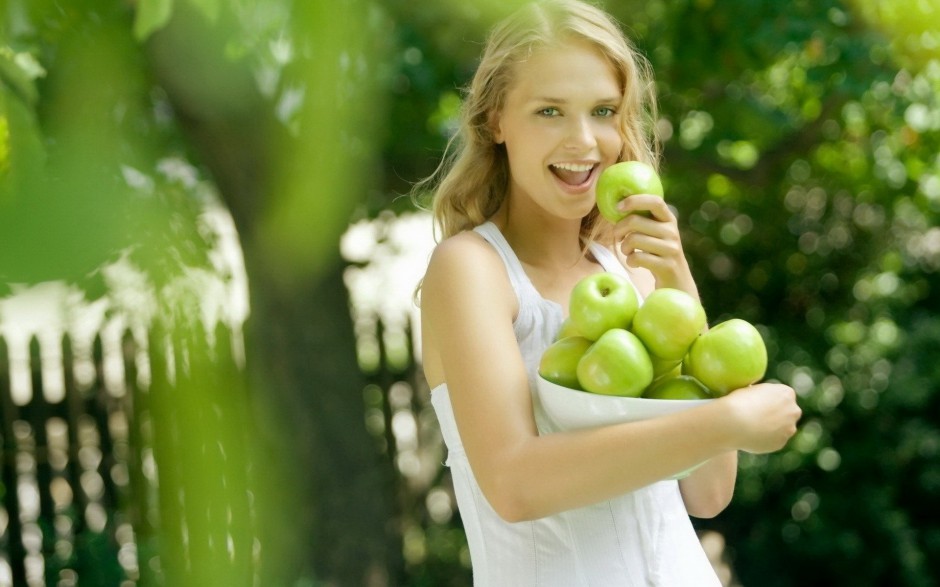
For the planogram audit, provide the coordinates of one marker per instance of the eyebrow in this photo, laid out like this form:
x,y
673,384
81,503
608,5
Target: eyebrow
x,y
551,100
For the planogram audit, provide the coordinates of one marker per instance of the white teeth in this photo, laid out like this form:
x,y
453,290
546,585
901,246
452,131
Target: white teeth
x,y
578,167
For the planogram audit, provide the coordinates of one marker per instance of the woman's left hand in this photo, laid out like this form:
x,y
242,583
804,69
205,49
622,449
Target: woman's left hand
x,y
651,240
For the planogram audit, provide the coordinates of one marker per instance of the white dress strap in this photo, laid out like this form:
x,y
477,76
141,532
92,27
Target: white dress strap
x,y
517,275
607,259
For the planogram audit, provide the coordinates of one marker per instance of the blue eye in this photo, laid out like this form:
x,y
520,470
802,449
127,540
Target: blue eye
x,y
605,111
550,111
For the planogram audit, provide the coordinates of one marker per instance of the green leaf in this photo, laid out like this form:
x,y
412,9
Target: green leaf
x,y
16,78
4,144
152,15
208,7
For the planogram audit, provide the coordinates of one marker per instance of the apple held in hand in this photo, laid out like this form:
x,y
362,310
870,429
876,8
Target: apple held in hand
x,y
600,302
616,364
621,180
729,356
668,323
559,363
681,387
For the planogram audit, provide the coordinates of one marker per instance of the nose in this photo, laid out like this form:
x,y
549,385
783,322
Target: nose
x,y
580,133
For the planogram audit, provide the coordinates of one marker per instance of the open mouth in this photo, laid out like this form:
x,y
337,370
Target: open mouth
x,y
573,174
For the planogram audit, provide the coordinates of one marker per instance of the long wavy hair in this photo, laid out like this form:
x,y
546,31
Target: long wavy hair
x,y
472,180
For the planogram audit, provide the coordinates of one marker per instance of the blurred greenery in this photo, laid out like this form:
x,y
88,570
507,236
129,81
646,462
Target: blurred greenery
x,y
801,152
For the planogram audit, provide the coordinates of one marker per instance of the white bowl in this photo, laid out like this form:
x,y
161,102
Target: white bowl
x,y
570,409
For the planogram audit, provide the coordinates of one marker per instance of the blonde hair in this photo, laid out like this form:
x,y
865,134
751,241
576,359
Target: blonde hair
x,y
472,180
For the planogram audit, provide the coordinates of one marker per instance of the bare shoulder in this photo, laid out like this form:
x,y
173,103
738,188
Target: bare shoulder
x,y
461,248
465,293
465,260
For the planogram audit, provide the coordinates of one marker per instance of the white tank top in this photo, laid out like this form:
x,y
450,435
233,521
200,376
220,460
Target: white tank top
x,y
640,539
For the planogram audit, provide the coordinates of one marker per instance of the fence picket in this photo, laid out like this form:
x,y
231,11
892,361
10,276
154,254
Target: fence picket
x,y
99,404
139,505
37,414
75,412
13,537
125,461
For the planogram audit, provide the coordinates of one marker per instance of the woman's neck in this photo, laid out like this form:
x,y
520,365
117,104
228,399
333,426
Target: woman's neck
x,y
540,241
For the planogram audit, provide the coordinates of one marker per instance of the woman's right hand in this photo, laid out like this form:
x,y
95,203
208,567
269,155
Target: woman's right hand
x,y
764,416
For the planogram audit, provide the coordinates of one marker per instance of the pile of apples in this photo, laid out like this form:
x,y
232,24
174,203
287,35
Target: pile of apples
x,y
612,345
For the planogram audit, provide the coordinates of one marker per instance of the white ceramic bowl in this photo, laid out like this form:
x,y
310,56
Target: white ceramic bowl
x,y
571,409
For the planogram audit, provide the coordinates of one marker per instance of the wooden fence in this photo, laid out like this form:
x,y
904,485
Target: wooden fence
x,y
137,471
142,480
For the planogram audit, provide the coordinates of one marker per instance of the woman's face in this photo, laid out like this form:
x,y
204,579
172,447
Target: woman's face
x,y
560,126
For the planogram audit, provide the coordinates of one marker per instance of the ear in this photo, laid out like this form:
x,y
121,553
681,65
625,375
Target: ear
x,y
496,128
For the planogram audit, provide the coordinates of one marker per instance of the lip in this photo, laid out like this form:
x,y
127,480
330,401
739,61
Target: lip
x,y
580,188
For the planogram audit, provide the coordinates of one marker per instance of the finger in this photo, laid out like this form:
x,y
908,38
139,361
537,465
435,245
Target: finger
x,y
654,205
635,226
663,228
655,264
642,223
642,259
636,241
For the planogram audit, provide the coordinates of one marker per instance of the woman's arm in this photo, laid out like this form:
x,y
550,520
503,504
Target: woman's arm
x,y
652,244
709,489
468,307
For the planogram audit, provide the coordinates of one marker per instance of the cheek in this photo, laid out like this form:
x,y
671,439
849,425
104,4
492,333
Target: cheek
x,y
524,148
520,159
612,143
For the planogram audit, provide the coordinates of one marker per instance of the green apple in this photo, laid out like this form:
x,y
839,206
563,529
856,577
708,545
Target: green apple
x,y
616,364
728,356
567,329
602,301
678,387
559,362
668,323
663,368
621,180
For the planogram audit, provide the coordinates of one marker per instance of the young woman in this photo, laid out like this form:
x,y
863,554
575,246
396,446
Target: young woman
x,y
559,95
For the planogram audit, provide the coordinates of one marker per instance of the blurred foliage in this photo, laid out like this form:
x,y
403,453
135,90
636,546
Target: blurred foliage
x,y
90,162
119,122
801,143
803,156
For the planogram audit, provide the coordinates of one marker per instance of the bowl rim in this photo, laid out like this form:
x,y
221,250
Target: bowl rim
x,y
623,399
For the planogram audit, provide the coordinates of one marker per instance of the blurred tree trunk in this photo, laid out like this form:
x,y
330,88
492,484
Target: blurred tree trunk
x,y
326,511
300,343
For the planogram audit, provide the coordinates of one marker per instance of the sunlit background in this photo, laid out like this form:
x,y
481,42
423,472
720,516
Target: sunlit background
x,y
209,362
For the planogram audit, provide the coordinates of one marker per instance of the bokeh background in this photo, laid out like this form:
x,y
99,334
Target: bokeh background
x,y
208,253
